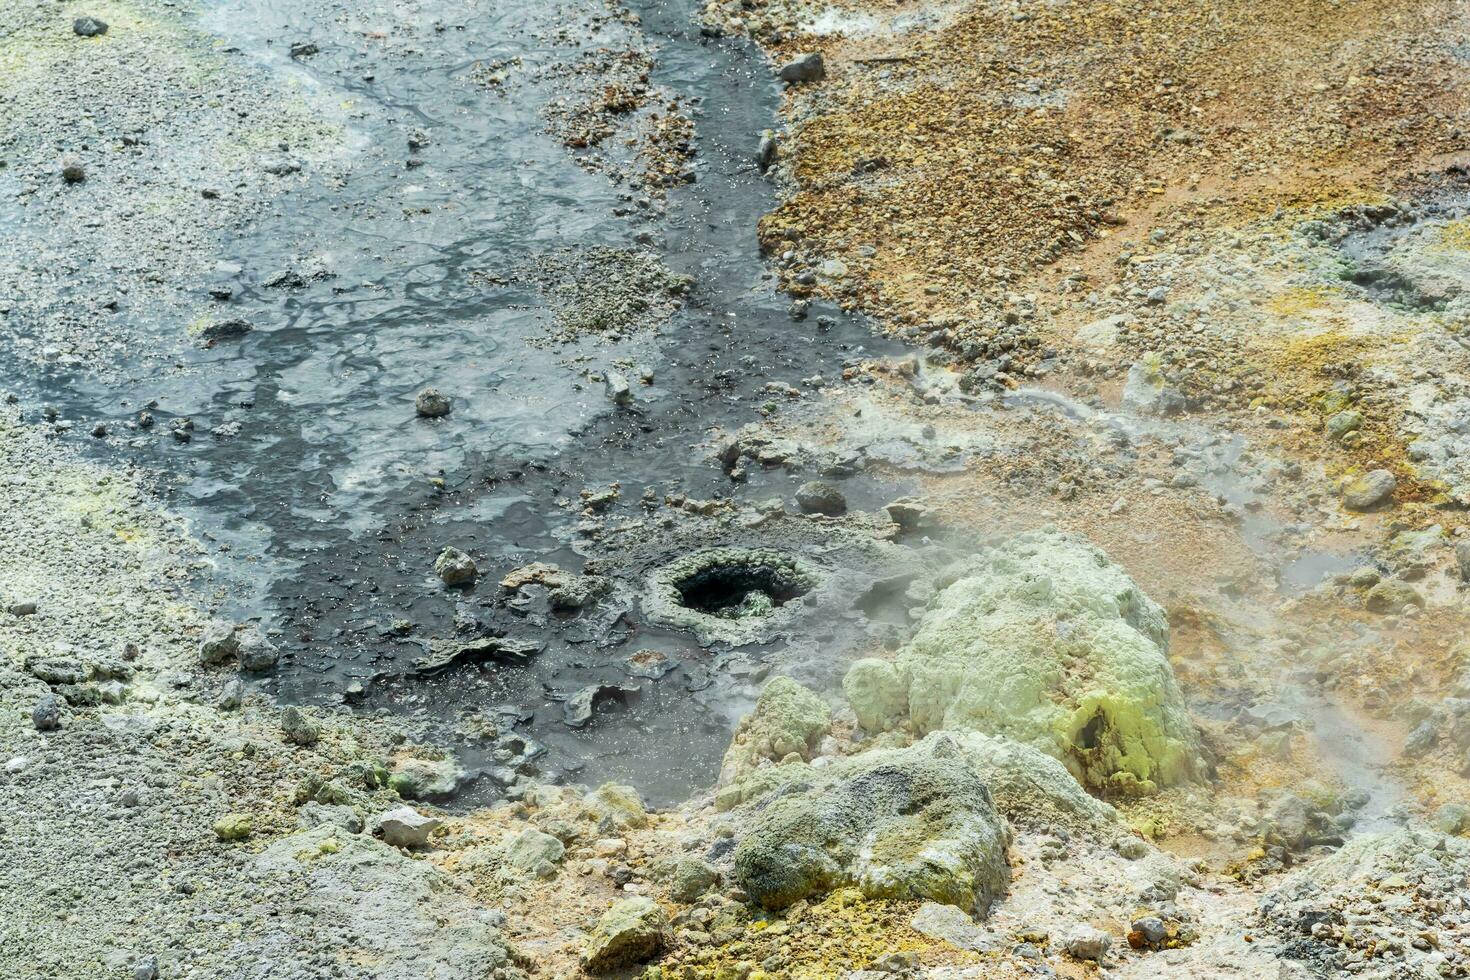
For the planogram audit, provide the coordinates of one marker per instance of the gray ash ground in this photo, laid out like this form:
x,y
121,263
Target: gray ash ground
x,y
377,257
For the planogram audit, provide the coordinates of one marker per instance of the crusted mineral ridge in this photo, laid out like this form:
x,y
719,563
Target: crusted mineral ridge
x,y
1044,640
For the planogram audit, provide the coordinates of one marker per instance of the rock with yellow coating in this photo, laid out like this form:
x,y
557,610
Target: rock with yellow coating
x,y
614,807
908,824
633,931
234,826
1368,491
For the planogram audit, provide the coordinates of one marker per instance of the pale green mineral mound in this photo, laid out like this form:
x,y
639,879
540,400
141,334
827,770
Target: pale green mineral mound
x,y
786,724
1046,641
895,823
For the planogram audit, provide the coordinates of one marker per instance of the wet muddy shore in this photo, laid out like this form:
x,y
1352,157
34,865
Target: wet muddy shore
x,y
753,490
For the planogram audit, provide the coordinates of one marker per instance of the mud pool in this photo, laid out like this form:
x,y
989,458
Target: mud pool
x,y
307,469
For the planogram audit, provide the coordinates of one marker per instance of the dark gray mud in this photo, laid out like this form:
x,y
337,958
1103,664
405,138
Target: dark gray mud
x,y
326,499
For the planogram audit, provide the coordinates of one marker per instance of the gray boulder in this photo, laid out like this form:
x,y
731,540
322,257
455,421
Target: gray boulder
x,y
804,68
454,567
297,728
219,644
817,497
904,824
431,403
1370,490
46,715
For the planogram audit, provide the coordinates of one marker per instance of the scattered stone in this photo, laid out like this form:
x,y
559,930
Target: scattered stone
x,y
530,848
431,403
692,878
649,664
816,497
949,924
72,170
1369,490
57,670
1150,930
297,728
425,779
234,827
88,27
1462,558
303,49
256,653
314,814
804,68
578,709
615,808
765,151
907,513
145,968
232,329
633,931
1342,423
407,827
1087,943
454,567
1392,596
618,389
46,715
219,644
25,607
231,695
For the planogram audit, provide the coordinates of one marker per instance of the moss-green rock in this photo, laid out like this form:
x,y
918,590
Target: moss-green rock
x,y
1341,423
1392,596
614,807
877,692
528,849
1046,641
634,930
234,826
895,823
787,720
425,779
692,878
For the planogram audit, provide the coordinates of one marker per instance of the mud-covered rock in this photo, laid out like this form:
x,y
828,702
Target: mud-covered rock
x,y
1048,642
904,823
454,567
